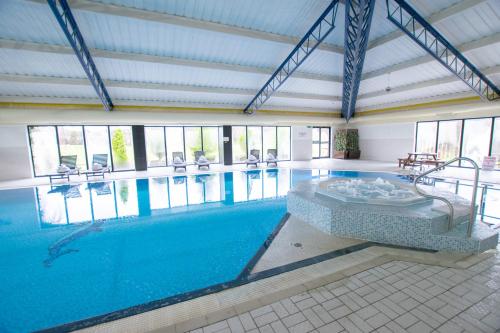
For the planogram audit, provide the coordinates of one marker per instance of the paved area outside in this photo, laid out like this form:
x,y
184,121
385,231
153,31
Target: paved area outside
x,y
397,296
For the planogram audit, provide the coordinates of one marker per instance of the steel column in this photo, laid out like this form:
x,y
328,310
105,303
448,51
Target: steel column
x,y
417,28
358,18
316,34
65,18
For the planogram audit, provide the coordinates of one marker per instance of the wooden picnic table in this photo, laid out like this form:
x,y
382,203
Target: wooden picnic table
x,y
420,158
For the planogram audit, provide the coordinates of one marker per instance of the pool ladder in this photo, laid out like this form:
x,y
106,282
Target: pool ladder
x,y
472,216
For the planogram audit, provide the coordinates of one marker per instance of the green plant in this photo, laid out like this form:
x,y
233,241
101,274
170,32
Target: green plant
x,y
346,140
119,147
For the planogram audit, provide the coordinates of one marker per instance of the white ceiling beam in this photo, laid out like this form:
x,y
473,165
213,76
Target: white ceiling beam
x,y
164,18
99,53
158,86
465,47
432,19
425,84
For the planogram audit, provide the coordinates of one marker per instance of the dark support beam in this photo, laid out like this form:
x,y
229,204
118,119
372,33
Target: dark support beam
x,y
318,32
68,24
139,141
417,28
228,144
358,19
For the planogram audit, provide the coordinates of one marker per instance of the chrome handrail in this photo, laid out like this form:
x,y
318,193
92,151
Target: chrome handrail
x,y
472,215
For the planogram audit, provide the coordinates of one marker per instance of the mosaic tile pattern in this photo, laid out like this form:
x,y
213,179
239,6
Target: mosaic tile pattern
x,y
397,296
418,226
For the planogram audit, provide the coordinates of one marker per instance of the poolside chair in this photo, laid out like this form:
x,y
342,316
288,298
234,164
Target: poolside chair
x,y
178,161
271,157
254,158
70,162
101,159
200,160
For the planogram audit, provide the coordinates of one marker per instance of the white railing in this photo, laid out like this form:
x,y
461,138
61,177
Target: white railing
x,y
472,215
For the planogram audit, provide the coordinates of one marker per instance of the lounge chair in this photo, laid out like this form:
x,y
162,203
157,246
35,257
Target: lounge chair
x,y
178,161
271,157
203,162
254,158
99,166
70,162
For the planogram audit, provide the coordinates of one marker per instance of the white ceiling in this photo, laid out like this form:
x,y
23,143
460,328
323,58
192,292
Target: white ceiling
x,y
220,52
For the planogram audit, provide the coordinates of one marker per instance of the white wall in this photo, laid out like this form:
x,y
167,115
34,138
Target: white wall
x,y
386,142
301,143
15,162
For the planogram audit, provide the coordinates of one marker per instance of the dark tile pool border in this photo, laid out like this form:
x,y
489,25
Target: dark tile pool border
x,y
243,278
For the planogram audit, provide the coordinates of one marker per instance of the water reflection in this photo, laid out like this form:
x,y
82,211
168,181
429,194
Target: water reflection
x,y
83,203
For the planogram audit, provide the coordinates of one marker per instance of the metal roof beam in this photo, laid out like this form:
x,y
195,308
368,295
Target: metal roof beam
x,y
417,28
65,18
432,19
311,40
425,84
164,18
105,54
358,19
158,86
465,47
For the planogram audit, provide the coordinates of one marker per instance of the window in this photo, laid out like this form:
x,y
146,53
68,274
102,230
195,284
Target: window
x,y
155,146
239,140
122,147
71,142
97,142
321,142
269,140
175,141
44,149
426,137
192,137
254,138
211,143
476,140
449,139
495,142
284,143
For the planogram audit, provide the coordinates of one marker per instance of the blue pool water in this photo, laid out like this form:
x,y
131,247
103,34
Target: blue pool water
x,y
72,252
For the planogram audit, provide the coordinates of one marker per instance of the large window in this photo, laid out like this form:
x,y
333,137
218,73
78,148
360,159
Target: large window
x,y
254,138
186,140
473,138
211,143
284,144
261,138
449,136
321,142
175,141
269,140
44,149
97,142
71,142
239,140
426,137
122,147
476,144
155,146
192,137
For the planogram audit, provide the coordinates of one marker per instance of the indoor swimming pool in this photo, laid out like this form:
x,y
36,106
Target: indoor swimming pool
x,y
77,255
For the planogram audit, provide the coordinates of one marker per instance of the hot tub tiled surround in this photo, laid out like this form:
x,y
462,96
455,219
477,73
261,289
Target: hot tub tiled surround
x,y
422,224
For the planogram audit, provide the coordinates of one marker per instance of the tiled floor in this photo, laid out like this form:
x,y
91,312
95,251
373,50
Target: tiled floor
x,y
397,296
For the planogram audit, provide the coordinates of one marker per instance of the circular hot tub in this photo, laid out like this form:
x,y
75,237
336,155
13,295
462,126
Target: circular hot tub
x,y
371,191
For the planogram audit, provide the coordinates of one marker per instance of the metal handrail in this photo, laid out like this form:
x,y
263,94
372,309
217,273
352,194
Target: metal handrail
x,y
472,216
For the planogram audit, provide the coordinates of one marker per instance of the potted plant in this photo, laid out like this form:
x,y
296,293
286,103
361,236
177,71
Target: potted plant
x,y
346,144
